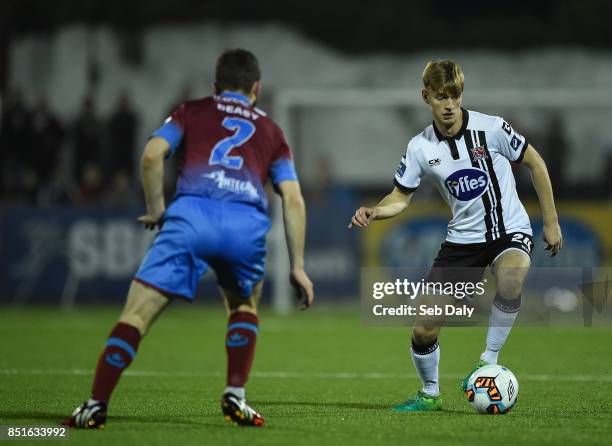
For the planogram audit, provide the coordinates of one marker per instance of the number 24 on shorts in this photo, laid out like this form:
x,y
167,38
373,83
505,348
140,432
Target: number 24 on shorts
x,y
523,240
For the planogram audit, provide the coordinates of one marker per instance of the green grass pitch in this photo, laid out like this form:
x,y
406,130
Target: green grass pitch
x,y
320,377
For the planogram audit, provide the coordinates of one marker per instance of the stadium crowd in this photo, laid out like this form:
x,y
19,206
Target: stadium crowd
x,y
91,160
88,161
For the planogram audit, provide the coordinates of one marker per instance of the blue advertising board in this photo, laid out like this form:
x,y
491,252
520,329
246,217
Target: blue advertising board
x,y
89,255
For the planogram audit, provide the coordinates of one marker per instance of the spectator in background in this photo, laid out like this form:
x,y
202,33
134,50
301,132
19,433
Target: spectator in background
x,y
325,197
555,154
15,142
184,94
87,133
332,252
122,194
47,140
91,191
122,128
15,121
56,191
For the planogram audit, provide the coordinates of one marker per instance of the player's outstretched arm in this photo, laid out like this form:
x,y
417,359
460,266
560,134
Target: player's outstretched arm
x,y
294,216
152,170
393,204
543,187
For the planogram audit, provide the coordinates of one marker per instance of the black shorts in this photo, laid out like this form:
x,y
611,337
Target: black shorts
x,y
457,262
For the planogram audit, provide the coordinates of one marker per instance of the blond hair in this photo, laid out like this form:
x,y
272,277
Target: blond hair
x,y
443,76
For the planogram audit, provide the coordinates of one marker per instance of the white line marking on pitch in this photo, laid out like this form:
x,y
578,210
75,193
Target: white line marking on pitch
x,y
298,375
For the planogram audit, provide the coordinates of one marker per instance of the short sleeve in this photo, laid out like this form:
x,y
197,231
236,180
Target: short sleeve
x,y
281,166
408,174
510,143
172,129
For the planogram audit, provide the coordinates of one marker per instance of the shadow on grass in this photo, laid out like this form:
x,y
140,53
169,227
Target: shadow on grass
x,y
51,417
339,405
54,418
155,419
385,407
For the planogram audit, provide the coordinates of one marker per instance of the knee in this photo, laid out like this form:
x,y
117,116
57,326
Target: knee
x,y
141,315
510,288
423,336
143,306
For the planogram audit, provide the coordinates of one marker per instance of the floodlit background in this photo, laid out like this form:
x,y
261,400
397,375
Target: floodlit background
x,y
84,83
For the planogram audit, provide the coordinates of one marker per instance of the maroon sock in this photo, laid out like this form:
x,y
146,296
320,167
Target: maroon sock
x,y
119,352
240,346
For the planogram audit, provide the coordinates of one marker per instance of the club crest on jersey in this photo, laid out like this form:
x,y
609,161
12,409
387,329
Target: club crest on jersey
x,y
479,153
467,184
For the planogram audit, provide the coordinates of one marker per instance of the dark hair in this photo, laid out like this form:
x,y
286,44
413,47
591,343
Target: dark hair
x,y
237,69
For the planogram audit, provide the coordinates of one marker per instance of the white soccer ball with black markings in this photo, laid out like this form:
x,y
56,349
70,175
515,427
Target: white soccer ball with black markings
x,y
492,389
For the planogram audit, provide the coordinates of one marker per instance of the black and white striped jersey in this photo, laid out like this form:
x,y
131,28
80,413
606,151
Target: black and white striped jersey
x,y
473,174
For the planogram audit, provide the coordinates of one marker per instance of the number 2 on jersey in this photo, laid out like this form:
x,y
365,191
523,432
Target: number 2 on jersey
x,y
243,130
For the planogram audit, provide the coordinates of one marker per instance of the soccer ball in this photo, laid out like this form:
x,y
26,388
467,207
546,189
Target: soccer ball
x,y
492,389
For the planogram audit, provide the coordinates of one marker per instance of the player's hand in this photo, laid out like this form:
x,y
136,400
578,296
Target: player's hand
x,y
303,287
553,238
363,216
152,221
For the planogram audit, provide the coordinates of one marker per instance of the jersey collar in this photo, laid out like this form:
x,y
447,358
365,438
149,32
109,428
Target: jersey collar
x,y
466,118
237,96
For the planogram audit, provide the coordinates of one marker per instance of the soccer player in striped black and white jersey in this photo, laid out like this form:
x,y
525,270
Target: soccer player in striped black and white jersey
x,y
467,155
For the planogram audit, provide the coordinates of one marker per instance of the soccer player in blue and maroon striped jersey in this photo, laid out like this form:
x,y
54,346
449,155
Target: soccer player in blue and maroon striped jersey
x,y
228,149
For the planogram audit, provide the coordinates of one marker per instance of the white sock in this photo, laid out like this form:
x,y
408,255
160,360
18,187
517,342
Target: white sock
x,y
238,391
501,320
426,365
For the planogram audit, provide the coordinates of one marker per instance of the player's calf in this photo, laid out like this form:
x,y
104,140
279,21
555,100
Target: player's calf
x,y
510,288
510,271
426,359
143,305
240,339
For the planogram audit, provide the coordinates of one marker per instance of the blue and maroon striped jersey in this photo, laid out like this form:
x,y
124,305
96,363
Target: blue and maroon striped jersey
x,y
229,149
